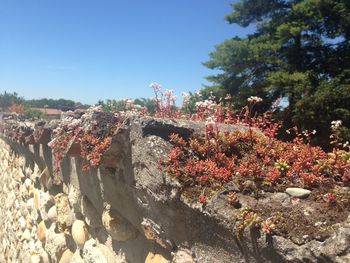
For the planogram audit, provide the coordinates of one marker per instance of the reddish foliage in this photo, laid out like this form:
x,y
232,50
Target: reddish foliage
x,y
94,139
218,157
92,149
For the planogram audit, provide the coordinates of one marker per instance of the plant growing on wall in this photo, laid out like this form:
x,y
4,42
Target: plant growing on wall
x,y
91,135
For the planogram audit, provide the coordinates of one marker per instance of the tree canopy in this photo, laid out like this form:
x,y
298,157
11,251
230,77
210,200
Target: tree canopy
x,y
12,102
7,99
300,51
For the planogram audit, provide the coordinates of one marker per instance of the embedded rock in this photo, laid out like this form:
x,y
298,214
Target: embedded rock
x,y
22,223
96,253
155,258
152,231
26,235
52,214
117,226
44,257
66,256
35,258
298,192
77,257
41,231
74,197
55,244
65,216
27,183
183,256
79,233
43,201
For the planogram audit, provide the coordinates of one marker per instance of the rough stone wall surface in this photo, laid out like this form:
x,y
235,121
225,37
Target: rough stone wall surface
x,y
127,210
20,230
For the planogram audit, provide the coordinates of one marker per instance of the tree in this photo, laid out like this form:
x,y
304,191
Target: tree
x,y
150,104
300,50
61,104
124,105
8,99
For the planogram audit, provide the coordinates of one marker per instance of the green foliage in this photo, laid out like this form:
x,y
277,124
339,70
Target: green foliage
x,y
216,91
113,105
51,103
8,99
150,104
300,50
331,101
126,104
34,113
12,99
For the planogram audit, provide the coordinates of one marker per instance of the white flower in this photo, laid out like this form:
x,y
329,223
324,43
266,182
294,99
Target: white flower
x,y
254,99
206,104
95,108
74,123
336,124
185,96
198,94
228,97
156,86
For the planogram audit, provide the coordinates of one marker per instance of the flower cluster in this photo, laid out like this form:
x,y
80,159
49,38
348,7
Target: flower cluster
x,y
268,226
165,101
254,99
336,124
90,137
247,219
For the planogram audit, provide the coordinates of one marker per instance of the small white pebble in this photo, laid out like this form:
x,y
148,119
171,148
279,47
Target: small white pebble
x,y
22,223
27,183
26,235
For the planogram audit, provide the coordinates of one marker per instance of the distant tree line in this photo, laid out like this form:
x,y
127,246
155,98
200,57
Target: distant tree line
x,y
51,103
7,99
123,105
12,102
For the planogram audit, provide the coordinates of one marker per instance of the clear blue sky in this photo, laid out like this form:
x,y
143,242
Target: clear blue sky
x,y
87,50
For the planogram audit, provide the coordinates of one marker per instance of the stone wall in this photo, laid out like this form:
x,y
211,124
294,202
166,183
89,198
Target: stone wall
x,y
127,210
